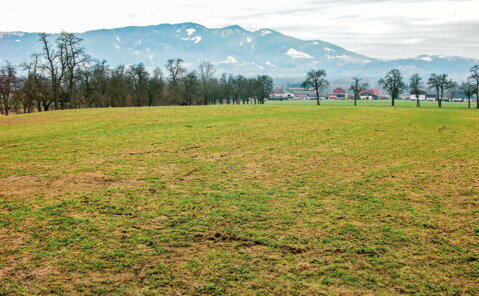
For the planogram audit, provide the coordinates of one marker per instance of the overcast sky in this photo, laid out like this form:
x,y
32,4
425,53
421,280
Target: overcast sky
x,y
383,29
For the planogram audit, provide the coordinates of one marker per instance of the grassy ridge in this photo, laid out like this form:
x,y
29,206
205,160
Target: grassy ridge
x,y
240,200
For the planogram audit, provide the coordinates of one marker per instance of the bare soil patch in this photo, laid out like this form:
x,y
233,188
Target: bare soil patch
x,y
27,186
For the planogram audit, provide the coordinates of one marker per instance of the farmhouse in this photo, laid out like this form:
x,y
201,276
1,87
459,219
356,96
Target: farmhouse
x,y
309,93
422,95
278,93
338,94
458,97
369,94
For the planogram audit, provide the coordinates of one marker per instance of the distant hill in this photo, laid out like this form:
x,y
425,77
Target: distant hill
x,y
234,50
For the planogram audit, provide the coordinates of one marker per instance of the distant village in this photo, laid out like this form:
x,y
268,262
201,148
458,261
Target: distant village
x,y
298,93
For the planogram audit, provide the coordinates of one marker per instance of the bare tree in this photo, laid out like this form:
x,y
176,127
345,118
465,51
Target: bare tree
x,y
357,86
238,87
8,84
35,86
72,56
439,83
475,77
118,90
416,86
139,83
206,70
263,87
393,83
452,87
86,88
155,87
226,92
316,79
93,85
54,67
175,71
469,89
101,73
191,88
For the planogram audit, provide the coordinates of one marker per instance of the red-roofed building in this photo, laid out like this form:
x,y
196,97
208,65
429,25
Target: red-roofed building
x,y
278,93
369,94
338,94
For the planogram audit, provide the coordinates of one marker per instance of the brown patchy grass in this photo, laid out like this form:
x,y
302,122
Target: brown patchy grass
x,y
240,200
26,186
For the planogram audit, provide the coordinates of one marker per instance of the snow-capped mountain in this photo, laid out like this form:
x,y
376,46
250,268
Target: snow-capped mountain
x,y
232,49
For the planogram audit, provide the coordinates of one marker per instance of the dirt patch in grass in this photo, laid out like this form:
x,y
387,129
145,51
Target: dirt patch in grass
x,y
28,186
247,242
8,259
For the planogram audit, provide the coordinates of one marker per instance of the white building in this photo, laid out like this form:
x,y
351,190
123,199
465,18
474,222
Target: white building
x,y
422,96
280,94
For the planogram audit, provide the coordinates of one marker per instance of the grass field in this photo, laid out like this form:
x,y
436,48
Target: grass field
x,y
371,103
281,199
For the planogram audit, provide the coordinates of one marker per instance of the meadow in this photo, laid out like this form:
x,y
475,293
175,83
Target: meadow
x,y
372,103
275,199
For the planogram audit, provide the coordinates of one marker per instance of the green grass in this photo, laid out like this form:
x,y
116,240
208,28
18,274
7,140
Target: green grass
x,y
381,103
371,103
281,199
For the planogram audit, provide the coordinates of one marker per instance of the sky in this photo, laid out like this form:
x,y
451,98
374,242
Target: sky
x,y
376,28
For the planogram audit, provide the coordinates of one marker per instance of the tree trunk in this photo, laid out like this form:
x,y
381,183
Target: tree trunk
x,y
418,104
469,102
392,100
317,96
442,96
55,94
437,95
355,99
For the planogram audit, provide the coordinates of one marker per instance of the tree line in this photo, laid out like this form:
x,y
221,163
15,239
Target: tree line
x,y
63,76
394,84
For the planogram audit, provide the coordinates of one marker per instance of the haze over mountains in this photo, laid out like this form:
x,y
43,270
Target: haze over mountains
x,y
233,50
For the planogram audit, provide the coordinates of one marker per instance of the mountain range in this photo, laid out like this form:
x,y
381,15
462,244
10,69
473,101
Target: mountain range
x,y
234,50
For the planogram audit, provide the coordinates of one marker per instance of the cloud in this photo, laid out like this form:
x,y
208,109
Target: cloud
x,y
385,29
377,28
